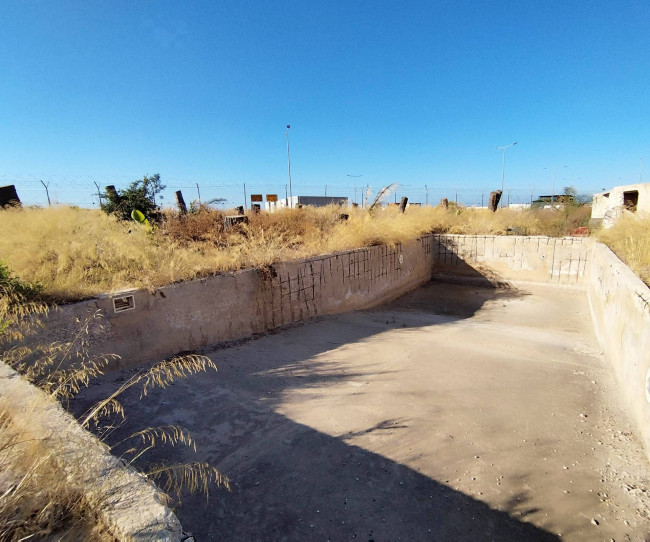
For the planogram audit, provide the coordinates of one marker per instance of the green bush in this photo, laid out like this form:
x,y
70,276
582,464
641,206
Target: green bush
x,y
139,196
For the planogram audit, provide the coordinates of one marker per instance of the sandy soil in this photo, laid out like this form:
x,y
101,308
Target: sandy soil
x,y
454,413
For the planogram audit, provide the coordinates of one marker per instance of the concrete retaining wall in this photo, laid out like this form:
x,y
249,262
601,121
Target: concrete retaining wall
x,y
191,315
128,504
620,309
493,258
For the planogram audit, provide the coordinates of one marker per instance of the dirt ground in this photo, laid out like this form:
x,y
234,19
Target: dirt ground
x,y
454,413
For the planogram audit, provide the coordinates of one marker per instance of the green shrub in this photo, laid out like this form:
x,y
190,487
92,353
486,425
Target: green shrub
x,y
139,196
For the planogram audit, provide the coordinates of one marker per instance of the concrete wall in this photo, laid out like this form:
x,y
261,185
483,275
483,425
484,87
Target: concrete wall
x,y
620,309
608,206
129,505
497,259
191,315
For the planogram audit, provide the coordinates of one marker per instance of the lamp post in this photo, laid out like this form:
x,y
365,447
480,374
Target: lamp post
x,y
289,163
355,185
503,166
641,172
553,188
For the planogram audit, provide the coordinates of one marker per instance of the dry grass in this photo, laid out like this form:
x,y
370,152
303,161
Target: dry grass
x,y
629,238
77,253
35,500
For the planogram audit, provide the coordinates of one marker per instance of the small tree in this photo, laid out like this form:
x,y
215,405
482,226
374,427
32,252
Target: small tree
x,y
140,195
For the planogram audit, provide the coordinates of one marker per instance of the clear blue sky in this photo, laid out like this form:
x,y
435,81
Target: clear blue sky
x,y
419,93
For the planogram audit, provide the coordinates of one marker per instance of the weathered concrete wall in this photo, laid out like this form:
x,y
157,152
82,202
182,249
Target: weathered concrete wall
x,y
191,315
610,205
620,309
128,504
480,258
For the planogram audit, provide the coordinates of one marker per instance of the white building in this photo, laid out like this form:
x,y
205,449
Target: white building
x,y
314,201
610,205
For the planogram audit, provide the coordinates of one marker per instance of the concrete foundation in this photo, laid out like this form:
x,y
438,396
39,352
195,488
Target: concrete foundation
x,y
142,326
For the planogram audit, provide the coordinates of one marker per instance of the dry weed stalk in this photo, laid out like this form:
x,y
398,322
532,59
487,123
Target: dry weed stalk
x,y
196,477
33,496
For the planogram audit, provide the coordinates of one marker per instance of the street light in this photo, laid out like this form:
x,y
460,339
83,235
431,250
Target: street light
x,y
503,165
289,162
553,188
641,172
355,185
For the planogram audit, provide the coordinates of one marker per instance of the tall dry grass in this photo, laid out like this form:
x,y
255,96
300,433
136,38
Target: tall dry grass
x,y
36,501
41,493
629,238
76,253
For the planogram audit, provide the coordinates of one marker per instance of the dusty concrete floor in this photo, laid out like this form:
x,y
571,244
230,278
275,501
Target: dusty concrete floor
x,y
454,413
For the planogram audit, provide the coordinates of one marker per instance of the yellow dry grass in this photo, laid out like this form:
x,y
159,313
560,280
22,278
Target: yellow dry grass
x,y
36,502
76,253
629,238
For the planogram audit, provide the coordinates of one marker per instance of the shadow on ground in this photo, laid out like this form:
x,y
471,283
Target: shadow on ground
x,y
289,481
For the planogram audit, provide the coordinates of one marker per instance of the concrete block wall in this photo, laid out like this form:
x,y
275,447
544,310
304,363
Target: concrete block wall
x,y
493,258
620,310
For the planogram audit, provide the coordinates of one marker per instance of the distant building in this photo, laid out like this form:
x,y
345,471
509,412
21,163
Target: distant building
x,y
314,201
555,200
610,205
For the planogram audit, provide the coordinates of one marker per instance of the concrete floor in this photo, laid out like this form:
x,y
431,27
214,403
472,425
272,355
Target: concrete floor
x,y
454,413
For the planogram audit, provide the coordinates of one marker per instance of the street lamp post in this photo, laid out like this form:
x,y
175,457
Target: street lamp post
x,y
641,172
503,165
289,163
355,185
553,187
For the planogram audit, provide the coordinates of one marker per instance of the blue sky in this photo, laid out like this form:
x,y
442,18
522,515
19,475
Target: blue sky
x,y
419,93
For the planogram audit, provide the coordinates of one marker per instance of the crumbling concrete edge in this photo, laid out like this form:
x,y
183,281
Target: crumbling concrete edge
x,y
131,507
620,309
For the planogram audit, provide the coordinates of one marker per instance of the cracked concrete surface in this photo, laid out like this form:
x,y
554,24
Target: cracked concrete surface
x,y
453,413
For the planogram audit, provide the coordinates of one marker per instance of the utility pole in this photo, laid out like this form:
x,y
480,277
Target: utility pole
x,y
47,192
99,194
289,163
199,192
426,191
325,190
286,197
245,206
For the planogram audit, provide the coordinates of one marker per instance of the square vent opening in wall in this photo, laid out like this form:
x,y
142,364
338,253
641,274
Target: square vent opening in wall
x,y
124,303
